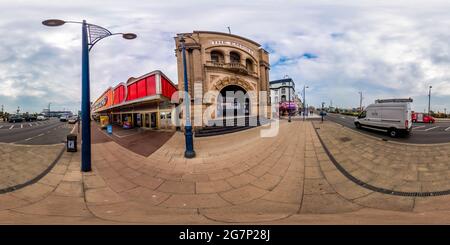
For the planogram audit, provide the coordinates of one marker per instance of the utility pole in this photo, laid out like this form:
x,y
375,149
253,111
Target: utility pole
x,y
229,30
429,99
18,110
360,101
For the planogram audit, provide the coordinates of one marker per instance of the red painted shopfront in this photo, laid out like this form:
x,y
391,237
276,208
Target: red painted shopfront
x,y
140,102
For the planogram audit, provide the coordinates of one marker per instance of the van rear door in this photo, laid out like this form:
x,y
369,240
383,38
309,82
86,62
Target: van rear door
x,y
408,116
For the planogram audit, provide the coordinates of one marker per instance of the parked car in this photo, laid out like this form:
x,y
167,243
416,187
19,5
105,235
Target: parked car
x,y
64,118
15,118
41,118
418,117
30,118
391,115
73,120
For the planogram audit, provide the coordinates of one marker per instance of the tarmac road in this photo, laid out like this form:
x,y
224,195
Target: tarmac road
x,y
438,132
35,133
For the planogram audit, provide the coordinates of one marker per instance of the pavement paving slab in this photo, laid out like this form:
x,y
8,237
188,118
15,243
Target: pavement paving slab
x,y
21,165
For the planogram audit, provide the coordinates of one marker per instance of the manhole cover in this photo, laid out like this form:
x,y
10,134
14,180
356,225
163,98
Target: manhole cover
x,y
345,139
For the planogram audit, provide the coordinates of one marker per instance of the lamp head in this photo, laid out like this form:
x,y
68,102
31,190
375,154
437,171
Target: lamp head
x,y
129,36
53,22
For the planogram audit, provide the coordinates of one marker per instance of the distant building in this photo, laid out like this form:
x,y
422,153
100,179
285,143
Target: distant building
x,y
48,113
280,90
282,93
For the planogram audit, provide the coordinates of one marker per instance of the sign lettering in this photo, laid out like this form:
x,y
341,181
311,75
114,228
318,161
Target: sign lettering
x,y
231,43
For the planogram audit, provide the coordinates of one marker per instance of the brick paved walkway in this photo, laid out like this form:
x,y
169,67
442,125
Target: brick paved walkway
x,y
237,178
20,164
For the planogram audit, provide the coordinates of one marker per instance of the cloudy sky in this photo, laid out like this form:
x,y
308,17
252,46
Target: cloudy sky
x,y
337,48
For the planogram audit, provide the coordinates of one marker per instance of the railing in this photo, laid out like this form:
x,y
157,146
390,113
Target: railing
x,y
233,66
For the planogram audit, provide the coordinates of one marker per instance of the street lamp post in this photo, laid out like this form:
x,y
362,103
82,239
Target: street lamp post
x,y
322,113
289,100
304,101
429,99
91,34
189,152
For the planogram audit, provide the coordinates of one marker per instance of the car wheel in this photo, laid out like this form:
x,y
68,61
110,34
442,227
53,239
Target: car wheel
x,y
358,125
393,132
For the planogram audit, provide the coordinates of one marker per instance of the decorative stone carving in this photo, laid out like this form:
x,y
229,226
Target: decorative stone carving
x,y
233,80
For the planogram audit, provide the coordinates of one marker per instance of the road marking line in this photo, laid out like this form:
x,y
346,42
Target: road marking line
x,y
28,139
419,127
21,125
12,126
30,125
428,129
1,126
40,135
447,129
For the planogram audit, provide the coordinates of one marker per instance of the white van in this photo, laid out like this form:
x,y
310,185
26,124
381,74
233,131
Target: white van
x,y
391,115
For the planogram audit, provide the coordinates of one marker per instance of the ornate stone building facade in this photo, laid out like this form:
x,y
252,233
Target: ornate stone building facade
x,y
225,62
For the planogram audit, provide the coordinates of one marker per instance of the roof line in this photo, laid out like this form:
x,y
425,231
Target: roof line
x,y
229,34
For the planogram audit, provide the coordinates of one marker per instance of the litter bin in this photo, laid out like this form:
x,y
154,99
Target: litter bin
x,y
71,143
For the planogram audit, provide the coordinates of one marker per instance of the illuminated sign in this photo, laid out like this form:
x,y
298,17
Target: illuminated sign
x,y
104,101
101,103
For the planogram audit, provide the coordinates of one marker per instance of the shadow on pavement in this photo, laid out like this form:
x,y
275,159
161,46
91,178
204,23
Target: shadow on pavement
x,y
141,141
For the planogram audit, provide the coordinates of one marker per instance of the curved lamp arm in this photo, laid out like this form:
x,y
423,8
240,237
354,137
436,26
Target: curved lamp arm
x,y
95,32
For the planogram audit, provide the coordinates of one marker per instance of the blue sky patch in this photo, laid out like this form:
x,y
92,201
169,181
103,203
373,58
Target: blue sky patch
x,y
309,56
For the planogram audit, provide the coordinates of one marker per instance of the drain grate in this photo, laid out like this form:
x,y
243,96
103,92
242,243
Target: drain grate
x,y
345,139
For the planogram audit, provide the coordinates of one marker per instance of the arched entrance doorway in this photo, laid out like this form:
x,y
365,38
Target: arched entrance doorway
x,y
233,102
